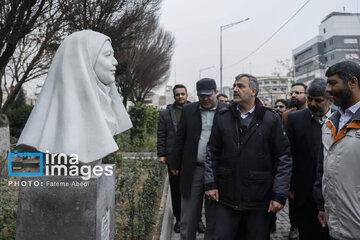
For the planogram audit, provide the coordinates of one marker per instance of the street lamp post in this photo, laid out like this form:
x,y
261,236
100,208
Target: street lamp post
x,y
203,69
223,27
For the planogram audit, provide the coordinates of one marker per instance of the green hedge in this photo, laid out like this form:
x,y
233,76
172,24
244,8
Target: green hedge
x,y
17,119
137,188
145,120
8,210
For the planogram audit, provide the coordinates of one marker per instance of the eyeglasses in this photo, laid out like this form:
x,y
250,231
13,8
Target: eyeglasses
x,y
279,106
296,93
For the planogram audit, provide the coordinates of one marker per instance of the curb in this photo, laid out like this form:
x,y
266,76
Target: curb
x,y
167,222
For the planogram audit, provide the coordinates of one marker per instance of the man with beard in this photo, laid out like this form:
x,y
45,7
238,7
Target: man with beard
x,y
248,166
341,143
297,101
304,131
168,122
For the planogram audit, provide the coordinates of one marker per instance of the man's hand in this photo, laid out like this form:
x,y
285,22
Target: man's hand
x,y
292,194
322,218
175,172
274,206
162,159
213,194
286,114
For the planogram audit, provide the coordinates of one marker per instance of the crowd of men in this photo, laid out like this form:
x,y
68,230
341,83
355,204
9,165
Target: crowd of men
x,y
247,159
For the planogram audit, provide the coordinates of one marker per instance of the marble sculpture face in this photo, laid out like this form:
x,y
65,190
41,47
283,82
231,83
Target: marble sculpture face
x,y
79,109
106,63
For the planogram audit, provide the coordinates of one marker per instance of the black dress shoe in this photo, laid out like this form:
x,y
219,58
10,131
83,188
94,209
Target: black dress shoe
x,y
177,227
294,233
201,228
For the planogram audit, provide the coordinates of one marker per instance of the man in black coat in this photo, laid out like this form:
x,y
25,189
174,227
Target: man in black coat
x,y
304,132
189,155
167,127
248,167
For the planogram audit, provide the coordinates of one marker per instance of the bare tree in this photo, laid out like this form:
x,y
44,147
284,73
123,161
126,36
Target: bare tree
x,y
119,19
17,19
146,63
33,54
283,65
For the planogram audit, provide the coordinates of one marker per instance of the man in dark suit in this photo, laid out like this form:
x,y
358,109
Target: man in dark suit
x,y
188,157
304,131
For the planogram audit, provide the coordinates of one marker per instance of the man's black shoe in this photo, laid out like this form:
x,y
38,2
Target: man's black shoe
x,y
201,228
294,233
177,227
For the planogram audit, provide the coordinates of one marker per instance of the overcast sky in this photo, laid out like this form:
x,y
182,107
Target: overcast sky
x,y
196,27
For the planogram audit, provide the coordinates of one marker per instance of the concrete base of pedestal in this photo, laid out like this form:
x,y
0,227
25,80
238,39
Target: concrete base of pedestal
x,y
66,208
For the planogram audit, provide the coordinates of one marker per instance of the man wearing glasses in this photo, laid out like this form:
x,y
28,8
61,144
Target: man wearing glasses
x,y
248,166
297,102
304,131
281,106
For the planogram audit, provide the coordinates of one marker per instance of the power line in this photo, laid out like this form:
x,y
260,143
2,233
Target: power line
x,y
267,40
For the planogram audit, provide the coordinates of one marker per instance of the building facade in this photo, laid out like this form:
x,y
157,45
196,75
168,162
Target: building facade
x,y
338,40
274,87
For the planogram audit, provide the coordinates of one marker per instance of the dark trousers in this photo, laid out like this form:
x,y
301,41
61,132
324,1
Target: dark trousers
x,y
292,215
243,225
308,224
175,195
191,209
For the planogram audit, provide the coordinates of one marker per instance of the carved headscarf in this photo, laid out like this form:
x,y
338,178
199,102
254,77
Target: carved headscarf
x,y
76,112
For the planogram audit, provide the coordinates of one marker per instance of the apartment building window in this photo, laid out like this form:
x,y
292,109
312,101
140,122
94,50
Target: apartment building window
x,y
351,40
324,44
324,30
283,89
332,57
331,42
266,82
274,82
274,89
306,67
351,56
326,59
283,81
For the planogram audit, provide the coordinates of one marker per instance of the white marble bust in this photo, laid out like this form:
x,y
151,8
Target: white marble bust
x,y
79,109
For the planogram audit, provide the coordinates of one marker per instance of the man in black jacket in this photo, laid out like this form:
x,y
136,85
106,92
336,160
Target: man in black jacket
x,y
167,127
248,167
304,131
189,155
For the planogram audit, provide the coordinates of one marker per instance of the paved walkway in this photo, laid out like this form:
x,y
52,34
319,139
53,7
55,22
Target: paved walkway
x,y
282,227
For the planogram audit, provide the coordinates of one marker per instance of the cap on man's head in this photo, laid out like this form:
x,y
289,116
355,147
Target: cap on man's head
x,y
205,86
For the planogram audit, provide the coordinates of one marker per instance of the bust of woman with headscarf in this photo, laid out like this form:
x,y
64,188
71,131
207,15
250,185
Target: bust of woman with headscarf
x,y
79,109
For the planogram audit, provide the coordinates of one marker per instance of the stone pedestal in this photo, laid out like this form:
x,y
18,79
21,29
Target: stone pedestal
x,y
66,208
4,144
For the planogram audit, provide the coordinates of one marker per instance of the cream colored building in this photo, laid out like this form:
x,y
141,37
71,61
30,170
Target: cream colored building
x,y
274,87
